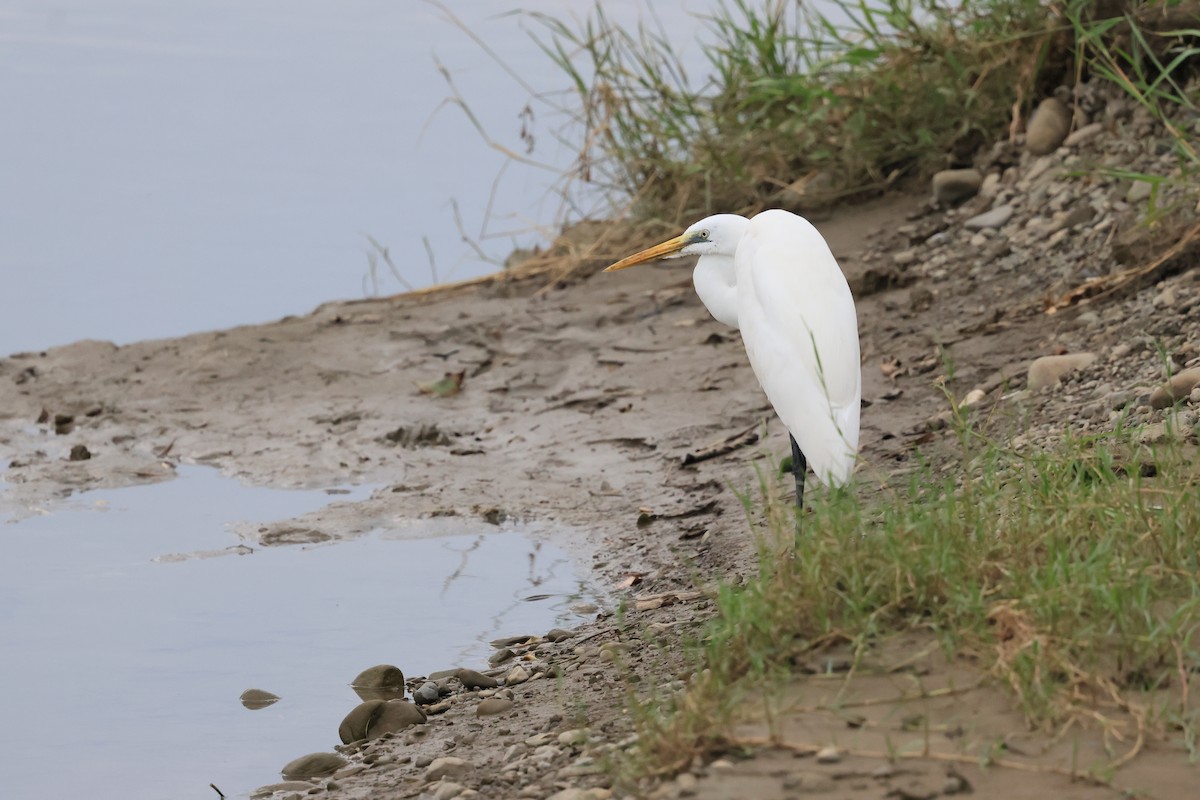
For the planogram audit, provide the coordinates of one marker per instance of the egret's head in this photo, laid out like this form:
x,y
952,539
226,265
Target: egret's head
x,y
718,234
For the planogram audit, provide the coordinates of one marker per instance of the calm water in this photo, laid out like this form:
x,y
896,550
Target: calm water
x,y
122,669
194,164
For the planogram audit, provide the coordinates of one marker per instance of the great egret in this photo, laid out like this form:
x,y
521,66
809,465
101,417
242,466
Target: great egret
x,y
774,277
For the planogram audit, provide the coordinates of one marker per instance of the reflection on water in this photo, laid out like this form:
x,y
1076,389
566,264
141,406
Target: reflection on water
x,y
122,671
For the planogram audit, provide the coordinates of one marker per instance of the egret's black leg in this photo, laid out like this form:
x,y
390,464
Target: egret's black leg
x,y
799,468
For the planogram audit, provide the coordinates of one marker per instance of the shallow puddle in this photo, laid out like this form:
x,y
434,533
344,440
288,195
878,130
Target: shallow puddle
x,y
123,663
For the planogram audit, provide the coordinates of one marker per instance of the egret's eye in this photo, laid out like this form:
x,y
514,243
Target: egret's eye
x,y
703,235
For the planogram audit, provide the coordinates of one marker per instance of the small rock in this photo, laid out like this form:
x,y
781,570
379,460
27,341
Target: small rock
x,y
516,676
557,635
258,698
974,397
1165,299
500,656
313,765
1048,127
952,186
1084,134
829,755
427,693
904,257
1194,397
1158,433
1139,191
1181,385
447,767
990,219
573,738
80,453
285,786
569,794
806,783
447,789
475,680
493,706
1049,370
687,783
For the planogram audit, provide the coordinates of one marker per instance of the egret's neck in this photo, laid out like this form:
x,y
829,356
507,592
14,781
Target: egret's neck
x,y
716,284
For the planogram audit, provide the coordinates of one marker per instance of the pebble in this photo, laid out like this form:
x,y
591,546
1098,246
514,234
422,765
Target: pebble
x,y
285,786
829,755
574,738
258,698
1086,133
447,789
493,706
687,783
1181,385
427,693
904,257
806,783
952,186
500,656
516,676
990,219
447,767
1139,191
313,765
476,680
1048,127
558,634
1049,370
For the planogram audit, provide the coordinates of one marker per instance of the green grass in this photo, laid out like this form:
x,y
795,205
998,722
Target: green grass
x,y
1068,575
798,108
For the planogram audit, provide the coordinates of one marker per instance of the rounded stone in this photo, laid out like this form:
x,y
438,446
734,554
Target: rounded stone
x,y
517,675
475,680
255,699
313,765
358,721
493,706
382,682
952,186
558,634
1049,370
1048,127
395,715
447,767
1178,388
427,693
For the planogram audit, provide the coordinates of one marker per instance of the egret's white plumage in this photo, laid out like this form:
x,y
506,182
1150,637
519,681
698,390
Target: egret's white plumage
x,y
774,277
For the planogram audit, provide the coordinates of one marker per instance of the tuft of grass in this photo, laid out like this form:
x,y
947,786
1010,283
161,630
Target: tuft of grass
x,y
844,102
1070,575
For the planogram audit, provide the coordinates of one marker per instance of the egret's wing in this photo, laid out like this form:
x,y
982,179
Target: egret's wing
x,y
801,333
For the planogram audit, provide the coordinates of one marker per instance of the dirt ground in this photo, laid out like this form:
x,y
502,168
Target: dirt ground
x,y
578,405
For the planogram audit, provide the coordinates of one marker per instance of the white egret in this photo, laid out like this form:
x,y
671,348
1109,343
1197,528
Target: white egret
x,y
774,277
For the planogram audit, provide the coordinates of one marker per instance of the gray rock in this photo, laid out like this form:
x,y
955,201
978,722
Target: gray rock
x,y
1086,133
258,698
990,219
313,765
447,767
476,680
492,706
952,186
500,656
427,693
1049,370
1048,128
558,634
1178,388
